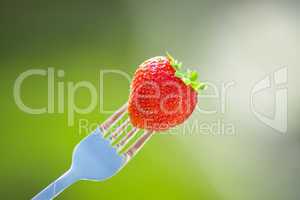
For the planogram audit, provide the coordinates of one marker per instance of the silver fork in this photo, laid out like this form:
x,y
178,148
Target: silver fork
x,y
101,154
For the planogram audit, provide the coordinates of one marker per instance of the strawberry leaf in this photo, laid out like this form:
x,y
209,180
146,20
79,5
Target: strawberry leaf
x,y
179,74
189,77
170,57
193,75
187,81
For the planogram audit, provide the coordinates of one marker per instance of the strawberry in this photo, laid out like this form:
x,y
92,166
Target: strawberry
x,y
162,96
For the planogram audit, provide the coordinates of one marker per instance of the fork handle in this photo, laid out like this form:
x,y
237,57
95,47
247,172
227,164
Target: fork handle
x,y
57,186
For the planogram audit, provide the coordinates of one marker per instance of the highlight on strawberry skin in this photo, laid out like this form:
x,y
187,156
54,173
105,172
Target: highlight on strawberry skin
x,y
162,94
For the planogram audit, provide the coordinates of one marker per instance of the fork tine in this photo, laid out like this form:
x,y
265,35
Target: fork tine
x,y
138,145
128,136
127,139
120,129
113,118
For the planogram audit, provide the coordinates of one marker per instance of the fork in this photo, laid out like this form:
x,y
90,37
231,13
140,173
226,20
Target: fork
x,y
102,154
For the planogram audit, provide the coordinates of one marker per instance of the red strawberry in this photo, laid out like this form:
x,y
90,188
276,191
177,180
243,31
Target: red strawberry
x,y
161,95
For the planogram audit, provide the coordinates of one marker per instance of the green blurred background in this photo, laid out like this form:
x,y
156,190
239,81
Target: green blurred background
x,y
240,41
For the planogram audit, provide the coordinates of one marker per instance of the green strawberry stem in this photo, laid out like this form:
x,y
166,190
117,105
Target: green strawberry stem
x,y
189,77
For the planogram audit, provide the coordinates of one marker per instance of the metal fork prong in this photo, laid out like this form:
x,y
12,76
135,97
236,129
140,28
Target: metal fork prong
x,y
127,137
113,118
138,145
119,130
121,136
